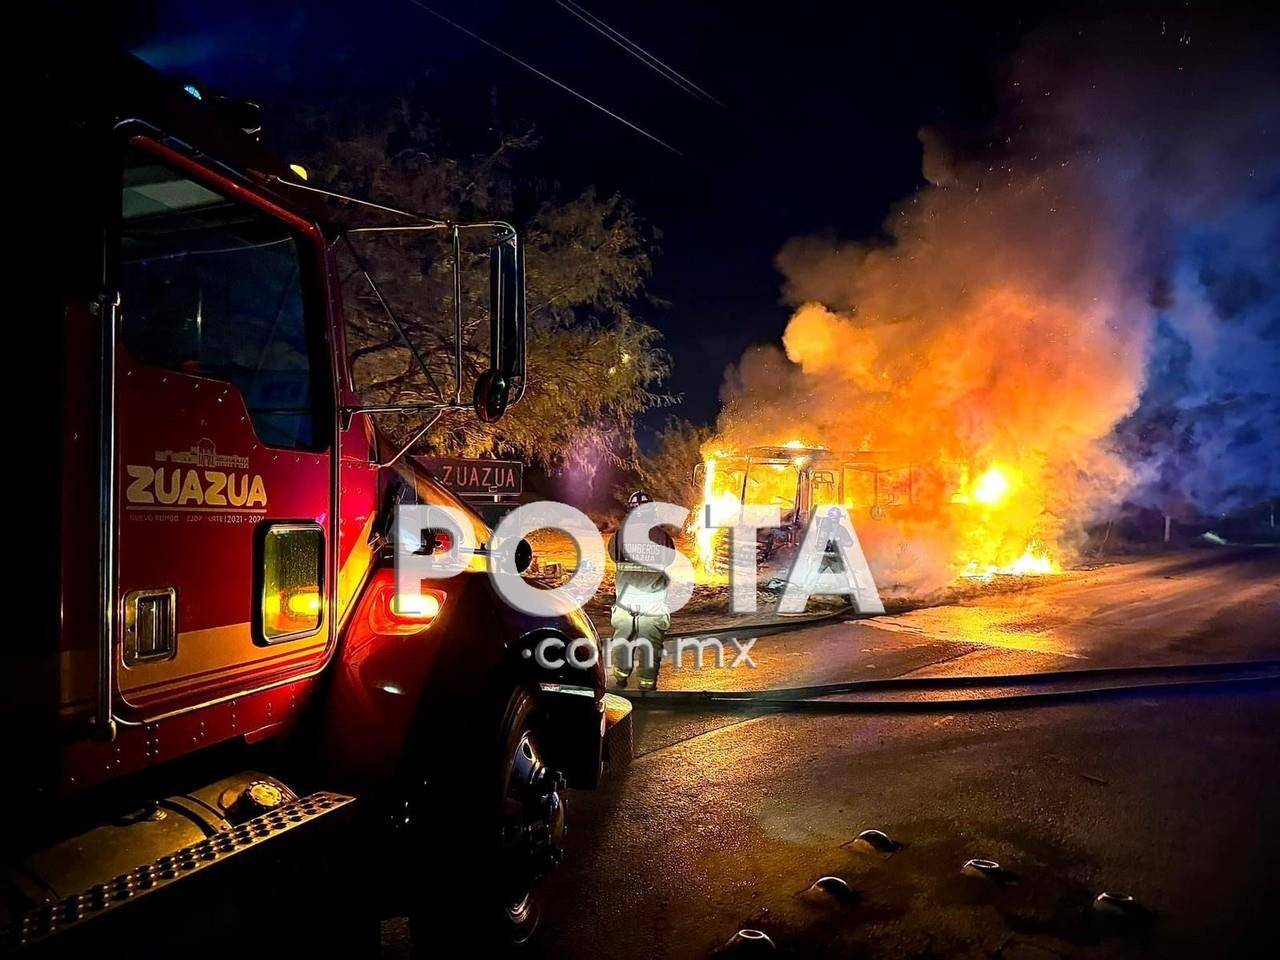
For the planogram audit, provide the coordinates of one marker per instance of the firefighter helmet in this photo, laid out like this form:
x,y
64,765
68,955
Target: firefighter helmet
x,y
637,498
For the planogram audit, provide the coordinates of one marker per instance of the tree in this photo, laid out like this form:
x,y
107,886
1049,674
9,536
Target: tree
x,y
668,473
593,366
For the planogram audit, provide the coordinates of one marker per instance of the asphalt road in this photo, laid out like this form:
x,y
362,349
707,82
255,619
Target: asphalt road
x,y
724,822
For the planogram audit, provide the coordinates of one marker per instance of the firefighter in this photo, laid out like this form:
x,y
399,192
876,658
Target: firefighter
x,y
834,539
639,606
833,536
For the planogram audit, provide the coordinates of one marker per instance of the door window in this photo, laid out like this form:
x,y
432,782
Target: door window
x,y
214,287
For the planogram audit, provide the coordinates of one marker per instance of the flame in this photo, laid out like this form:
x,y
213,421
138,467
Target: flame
x,y
720,504
990,525
992,486
1034,562
1008,317
986,438
704,536
772,483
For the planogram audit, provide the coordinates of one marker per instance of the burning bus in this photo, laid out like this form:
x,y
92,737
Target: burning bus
x,y
910,497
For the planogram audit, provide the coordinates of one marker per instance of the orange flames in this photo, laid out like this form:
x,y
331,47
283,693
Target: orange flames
x,y
987,422
980,356
989,516
983,346
992,486
718,499
977,359
996,489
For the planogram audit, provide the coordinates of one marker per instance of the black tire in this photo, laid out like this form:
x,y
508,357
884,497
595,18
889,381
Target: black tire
x,y
486,892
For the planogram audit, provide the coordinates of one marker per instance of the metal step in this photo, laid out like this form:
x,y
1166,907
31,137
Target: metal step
x,y
126,890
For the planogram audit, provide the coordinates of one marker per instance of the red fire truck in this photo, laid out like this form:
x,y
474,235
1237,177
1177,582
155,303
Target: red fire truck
x,y
209,691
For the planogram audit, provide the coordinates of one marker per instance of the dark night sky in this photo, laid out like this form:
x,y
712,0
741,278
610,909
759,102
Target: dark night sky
x,y
818,132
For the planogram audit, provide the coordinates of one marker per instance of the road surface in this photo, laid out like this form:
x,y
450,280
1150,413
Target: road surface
x,y
724,822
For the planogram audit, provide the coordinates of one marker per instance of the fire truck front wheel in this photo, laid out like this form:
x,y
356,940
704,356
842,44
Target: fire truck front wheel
x,y
510,838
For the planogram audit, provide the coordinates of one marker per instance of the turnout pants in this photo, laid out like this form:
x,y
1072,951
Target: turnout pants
x,y
638,643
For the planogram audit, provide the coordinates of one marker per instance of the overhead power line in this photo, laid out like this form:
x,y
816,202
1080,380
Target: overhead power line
x,y
547,77
637,51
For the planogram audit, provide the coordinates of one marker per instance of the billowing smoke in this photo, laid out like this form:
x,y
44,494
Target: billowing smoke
x,y
1206,436
1110,257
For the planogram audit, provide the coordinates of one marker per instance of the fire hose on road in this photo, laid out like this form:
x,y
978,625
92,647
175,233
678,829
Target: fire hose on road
x,y
769,628
920,694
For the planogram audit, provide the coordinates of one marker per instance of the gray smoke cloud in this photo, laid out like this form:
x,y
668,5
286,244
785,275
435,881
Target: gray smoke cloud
x,y
1186,136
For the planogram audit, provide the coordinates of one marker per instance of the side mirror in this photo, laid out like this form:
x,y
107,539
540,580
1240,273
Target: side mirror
x,y
492,396
503,383
522,558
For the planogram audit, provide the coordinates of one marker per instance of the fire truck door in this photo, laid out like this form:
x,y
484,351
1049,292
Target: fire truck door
x,y
223,413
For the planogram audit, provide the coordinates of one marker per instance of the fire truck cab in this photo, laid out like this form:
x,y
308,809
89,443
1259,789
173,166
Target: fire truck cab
x,y
209,676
